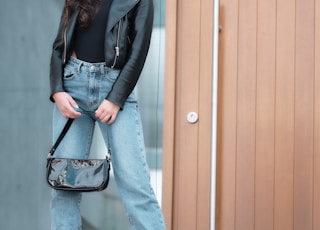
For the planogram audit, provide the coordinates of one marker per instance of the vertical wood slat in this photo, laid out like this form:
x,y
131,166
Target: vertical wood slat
x,y
246,111
186,161
169,115
227,115
304,99
316,192
284,133
265,113
205,95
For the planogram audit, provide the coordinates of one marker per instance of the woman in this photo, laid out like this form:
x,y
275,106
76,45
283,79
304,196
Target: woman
x,y
96,61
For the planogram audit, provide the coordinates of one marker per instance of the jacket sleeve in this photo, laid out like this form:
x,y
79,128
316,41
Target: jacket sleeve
x,y
141,35
56,63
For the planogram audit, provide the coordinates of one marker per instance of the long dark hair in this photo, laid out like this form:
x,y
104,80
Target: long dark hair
x,y
88,9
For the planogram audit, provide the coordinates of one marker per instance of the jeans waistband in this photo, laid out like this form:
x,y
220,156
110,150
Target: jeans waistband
x,y
87,66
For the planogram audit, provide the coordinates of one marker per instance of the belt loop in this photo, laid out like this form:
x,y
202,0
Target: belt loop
x,y
79,68
102,68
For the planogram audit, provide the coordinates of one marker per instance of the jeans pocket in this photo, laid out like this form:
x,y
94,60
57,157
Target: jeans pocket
x,y
69,73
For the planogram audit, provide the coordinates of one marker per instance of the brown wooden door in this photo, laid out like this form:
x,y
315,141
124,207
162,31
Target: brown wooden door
x,y
186,146
269,115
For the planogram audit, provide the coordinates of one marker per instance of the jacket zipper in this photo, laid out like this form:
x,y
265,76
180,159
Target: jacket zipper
x,y
117,49
65,47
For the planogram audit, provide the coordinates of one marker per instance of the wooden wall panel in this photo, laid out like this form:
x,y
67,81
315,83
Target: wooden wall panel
x,y
316,201
284,123
227,116
185,154
265,114
269,108
304,108
205,92
246,115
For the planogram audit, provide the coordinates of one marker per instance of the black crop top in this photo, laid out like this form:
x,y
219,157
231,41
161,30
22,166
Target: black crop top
x,y
88,42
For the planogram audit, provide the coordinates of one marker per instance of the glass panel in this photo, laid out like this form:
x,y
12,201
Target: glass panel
x,y
105,209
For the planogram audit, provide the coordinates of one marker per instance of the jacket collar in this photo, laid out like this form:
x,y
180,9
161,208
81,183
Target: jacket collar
x,y
118,9
73,19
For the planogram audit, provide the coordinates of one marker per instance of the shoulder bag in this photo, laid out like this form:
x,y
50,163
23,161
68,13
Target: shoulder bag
x,y
83,175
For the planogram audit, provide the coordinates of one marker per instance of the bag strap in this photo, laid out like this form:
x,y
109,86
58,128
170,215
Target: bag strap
x,y
64,132
61,136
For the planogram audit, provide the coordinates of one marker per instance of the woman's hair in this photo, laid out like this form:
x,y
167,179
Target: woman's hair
x,y
88,9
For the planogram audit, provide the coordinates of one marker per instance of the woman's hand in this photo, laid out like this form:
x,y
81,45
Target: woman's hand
x,y
107,112
66,105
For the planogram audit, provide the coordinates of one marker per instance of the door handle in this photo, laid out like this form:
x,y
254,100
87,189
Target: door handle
x,y
192,117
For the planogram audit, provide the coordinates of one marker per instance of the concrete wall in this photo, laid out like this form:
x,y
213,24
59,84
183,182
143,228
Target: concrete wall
x,y
28,28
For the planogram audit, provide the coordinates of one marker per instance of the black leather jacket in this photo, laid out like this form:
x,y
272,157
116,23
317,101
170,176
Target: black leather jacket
x,y
127,42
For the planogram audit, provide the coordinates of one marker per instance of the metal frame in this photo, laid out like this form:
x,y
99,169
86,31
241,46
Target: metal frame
x,y
214,112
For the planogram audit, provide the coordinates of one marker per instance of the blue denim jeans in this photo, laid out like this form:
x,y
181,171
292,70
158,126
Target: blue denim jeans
x,y
89,84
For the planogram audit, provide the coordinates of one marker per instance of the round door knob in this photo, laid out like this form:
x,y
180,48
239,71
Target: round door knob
x,y
192,117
